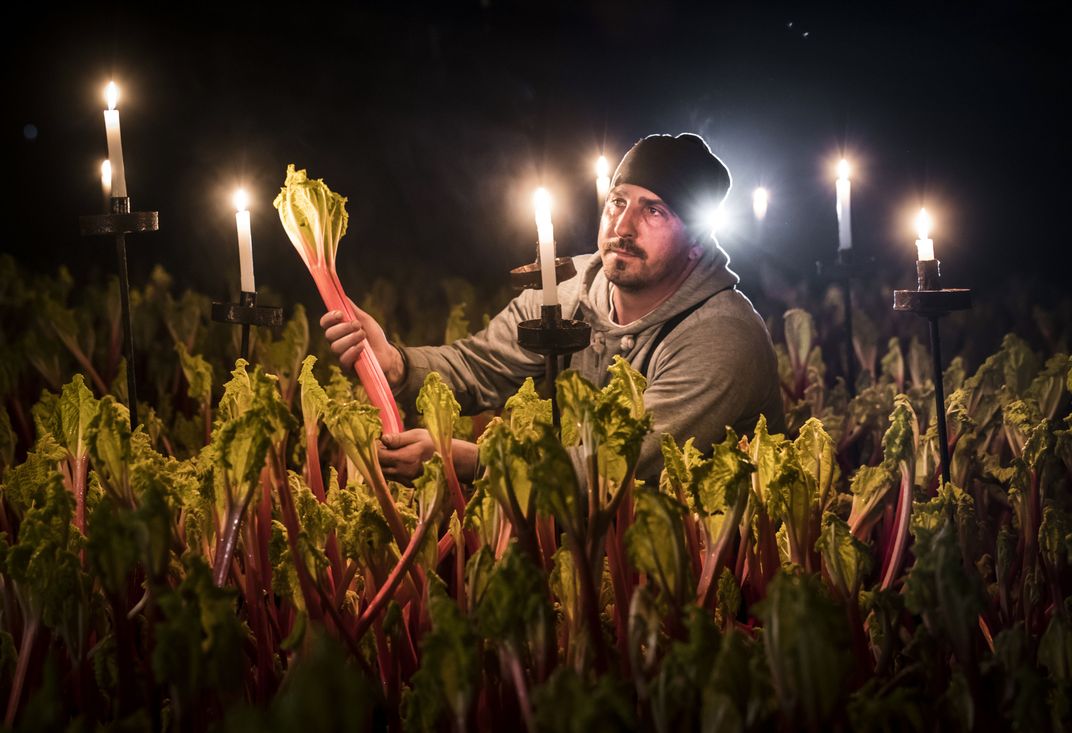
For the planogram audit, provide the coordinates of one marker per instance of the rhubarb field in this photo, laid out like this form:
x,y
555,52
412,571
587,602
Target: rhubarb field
x,y
238,562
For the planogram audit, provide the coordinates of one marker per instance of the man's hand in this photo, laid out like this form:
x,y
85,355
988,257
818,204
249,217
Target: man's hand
x,y
349,338
402,455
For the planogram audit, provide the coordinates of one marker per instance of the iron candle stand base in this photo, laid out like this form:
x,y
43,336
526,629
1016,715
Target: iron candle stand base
x,y
552,336
931,301
247,313
118,223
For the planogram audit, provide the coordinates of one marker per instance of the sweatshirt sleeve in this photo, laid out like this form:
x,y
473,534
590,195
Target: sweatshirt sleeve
x,y
486,368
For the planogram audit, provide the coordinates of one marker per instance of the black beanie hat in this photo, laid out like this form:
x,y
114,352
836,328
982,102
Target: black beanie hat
x,y
682,170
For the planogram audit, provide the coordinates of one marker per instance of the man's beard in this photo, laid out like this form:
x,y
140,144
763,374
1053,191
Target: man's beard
x,y
618,273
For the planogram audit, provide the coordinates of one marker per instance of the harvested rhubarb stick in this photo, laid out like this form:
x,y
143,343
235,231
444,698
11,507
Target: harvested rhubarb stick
x,y
315,219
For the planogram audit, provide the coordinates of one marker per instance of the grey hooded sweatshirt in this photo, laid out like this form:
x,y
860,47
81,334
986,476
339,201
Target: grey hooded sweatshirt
x,y
715,369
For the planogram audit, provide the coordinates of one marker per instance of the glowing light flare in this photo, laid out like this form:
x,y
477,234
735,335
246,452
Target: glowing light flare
x,y
602,180
245,240
541,202
924,244
106,182
240,199
111,95
923,224
760,202
716,220
843,169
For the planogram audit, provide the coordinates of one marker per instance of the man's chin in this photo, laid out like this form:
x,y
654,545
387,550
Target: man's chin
x,y
622,277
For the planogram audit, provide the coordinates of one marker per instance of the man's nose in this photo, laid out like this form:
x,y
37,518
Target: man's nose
x,y
625,226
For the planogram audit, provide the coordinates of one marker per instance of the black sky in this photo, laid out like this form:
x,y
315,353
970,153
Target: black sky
x,y
438,123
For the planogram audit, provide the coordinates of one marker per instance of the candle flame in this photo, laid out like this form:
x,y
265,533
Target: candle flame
x,y
602,167
111,93
923,224
760,199
843,169
106,172
241,199
542,201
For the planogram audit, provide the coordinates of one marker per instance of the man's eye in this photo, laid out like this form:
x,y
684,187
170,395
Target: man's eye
x,y
655,211
616,202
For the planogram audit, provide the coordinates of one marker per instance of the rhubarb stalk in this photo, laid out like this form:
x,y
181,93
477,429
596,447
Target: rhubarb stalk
x,y
315,219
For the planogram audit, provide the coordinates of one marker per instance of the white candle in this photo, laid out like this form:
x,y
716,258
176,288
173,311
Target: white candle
x,y
602,180
760,200
106,179
844,214
924,245
546,233
245,241
115,142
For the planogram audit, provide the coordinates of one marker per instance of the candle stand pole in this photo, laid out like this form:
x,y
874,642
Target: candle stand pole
x,y
247,313
550,335
553,337
841,271
118,223
929,300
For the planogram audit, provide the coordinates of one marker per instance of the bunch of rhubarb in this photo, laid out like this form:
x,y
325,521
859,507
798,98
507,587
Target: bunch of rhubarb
x,y
315,219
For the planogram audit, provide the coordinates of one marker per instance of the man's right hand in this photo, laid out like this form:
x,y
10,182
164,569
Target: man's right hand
x,y
349,338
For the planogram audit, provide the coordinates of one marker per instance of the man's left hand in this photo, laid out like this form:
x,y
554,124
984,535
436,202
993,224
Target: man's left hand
x,y
402,455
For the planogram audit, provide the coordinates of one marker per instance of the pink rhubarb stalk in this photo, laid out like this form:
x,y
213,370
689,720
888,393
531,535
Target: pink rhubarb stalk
x,y
900,541
315,219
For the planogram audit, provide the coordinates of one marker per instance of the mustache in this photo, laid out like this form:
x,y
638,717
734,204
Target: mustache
x,y
628,246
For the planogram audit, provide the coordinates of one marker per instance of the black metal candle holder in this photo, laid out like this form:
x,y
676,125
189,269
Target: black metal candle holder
x,y
931,301
553,337
247,313
842,270
528,276
118,223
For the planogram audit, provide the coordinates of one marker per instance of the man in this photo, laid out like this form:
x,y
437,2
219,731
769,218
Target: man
x,y
658,293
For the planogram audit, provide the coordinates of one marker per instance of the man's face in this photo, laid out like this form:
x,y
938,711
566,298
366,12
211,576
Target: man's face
x,y
641,241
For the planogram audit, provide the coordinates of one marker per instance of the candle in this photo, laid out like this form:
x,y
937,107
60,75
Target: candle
x,y
844,216
924,245
546,233
115,142
760,199
602,180
106,180
245,241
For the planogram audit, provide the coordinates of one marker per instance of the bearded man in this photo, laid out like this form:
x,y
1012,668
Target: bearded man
x,y
659,293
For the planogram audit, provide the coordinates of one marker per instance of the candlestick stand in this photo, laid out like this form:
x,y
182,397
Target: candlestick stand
x,y
552,336
931,301
120,222
841,270
247,313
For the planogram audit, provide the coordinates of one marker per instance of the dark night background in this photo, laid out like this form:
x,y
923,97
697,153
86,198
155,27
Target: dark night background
x,y
438,123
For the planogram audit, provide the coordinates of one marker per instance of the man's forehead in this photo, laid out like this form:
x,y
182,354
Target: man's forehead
x,y
640,193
